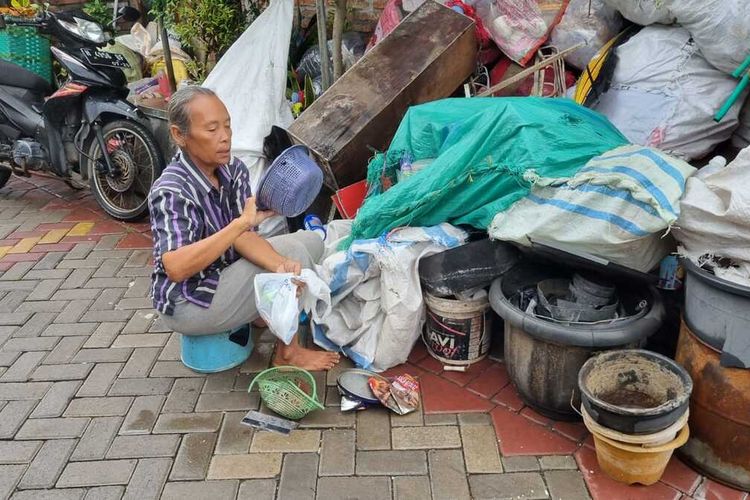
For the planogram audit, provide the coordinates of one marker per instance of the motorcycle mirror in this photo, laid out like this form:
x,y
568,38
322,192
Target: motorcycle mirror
x,y
129,14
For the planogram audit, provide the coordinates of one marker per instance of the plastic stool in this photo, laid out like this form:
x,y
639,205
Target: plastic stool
x,y
216,352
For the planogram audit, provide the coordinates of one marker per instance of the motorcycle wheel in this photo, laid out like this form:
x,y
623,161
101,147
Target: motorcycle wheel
x,y
5,174
137,162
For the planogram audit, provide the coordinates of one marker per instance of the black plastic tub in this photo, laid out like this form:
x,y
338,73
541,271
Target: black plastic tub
x,y
634,391
543,357
473,265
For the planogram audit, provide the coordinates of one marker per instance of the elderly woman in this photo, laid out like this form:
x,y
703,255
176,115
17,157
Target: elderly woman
x,y
203,216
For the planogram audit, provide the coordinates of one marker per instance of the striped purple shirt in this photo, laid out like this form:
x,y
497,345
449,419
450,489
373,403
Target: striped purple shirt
x,y
185,207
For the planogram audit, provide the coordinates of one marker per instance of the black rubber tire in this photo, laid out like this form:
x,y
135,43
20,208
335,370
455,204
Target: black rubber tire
x,y
97,181
5,174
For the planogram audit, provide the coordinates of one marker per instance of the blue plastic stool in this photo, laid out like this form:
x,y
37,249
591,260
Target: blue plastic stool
x,y
216,352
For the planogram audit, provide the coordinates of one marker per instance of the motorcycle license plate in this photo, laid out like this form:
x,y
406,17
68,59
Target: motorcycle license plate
x,y
100,58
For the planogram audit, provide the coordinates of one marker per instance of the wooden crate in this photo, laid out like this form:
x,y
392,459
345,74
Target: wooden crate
x,y
427,57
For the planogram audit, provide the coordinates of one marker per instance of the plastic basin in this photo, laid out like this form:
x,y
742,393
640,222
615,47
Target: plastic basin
x,y
634,391
543,357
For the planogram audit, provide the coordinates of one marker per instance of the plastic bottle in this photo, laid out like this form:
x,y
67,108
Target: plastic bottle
x,y
406,162
313,223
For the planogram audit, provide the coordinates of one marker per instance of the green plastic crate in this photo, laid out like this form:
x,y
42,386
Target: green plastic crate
x,y
22,45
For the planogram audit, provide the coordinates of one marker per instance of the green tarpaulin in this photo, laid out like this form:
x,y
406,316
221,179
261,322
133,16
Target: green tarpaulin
x,y
486,153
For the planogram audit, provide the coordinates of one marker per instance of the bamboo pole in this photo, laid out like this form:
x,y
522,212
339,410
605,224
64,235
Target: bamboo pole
x,y
323,43
530,70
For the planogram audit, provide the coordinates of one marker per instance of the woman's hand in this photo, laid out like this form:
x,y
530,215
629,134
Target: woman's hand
x,y
294,267
252,217
290,266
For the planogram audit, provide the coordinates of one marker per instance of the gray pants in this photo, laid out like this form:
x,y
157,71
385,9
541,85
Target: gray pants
x,y
233,304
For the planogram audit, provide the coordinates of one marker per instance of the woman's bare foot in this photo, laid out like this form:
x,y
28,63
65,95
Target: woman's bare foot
x,y
301,357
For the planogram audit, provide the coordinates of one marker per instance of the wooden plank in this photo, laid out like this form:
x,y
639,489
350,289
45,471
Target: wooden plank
x,y
427,57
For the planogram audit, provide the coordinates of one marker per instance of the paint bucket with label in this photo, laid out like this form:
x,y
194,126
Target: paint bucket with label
x,y
458,332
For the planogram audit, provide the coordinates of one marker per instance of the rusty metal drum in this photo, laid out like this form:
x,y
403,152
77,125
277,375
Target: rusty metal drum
x,y
719,445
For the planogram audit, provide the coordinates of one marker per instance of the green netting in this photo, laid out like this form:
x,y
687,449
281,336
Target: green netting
x,y
485,150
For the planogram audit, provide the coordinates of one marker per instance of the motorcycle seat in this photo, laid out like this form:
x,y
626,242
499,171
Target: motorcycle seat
x,y
14,75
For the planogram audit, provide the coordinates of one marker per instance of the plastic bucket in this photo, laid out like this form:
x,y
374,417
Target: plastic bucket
x,y
632,463
718,312
458,332
216,352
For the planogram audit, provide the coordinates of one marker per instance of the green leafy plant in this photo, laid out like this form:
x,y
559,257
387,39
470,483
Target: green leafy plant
x,y
99,11
206,27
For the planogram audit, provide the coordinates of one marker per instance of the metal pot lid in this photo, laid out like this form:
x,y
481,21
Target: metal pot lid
x,y
354,384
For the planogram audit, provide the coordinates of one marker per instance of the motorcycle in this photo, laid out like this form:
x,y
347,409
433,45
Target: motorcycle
x,y
86,129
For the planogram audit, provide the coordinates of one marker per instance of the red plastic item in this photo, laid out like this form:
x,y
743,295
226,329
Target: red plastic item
x,y
523,88
483,36
349,199
164,88
389,19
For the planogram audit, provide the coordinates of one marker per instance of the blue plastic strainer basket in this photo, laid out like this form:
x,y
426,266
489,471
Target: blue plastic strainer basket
x,y
291,183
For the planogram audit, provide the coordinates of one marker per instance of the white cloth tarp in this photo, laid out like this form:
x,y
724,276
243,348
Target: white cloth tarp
x,y
377,307
251,80
715,218
617,207
664,94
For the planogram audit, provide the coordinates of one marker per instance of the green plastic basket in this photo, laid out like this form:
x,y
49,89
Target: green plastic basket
x,y
22,45
287,390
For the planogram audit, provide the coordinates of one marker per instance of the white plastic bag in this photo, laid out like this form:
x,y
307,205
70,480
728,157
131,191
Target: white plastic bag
x,y
720,28
589,21
251,81
715,218
147,42
279,306
664,94
520,27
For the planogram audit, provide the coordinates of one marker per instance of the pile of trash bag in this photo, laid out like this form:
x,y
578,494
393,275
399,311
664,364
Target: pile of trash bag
x,y
377,306
487,152
664,93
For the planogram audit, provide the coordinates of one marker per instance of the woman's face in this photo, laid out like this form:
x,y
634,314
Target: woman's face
x,y
209,140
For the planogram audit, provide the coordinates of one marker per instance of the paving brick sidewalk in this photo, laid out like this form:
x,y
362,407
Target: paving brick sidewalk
x,y
95,404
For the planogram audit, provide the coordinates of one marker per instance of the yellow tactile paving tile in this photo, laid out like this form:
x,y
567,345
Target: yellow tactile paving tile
x,y
3,251
53,236
24,245
81,229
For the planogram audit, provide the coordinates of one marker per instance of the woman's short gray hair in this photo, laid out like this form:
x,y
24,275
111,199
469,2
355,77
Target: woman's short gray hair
x,y
179,105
